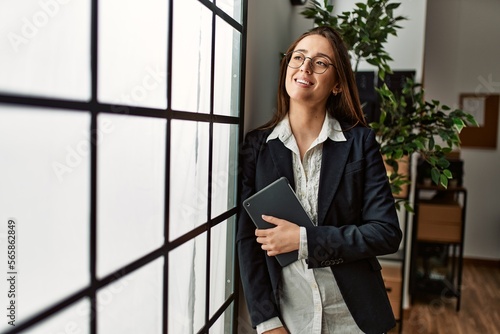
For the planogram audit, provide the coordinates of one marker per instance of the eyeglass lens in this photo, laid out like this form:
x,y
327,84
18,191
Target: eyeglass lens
x,y
318,64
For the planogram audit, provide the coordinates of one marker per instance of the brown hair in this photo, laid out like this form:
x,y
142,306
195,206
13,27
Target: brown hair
x,y
344,106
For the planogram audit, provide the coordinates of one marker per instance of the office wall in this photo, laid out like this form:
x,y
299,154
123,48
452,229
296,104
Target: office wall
x,y
462,55
272,26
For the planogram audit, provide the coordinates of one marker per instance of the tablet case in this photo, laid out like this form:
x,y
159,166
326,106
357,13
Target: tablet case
x,y
278,200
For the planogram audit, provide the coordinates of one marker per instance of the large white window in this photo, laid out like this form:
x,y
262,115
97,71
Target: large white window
x,y
120,124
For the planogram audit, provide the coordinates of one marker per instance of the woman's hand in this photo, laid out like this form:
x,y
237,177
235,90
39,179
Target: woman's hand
x,y
283,238
279,330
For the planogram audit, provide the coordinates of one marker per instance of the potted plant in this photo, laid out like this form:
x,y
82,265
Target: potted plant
x,y
408,124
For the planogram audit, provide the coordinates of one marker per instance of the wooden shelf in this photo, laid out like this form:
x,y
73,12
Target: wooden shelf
x,y
439,225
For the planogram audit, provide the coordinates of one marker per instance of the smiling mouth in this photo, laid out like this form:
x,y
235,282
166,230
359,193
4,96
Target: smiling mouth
x,y
303,82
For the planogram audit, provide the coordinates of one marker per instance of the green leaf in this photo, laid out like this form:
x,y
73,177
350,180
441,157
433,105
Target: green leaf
x,y
443,162
459,124
391,162
471,120
446,150
408,207
435,175
444,180
431,143
373,61
383,115
393,5
398,154
361,5
447,173
419,144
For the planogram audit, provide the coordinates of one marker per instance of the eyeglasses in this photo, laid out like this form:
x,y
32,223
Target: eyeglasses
x,y
318,64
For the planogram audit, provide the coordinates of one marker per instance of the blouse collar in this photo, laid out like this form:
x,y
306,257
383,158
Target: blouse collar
x,y
331,129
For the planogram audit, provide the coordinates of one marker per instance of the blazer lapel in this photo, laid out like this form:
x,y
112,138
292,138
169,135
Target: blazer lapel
x,y
282,158
334,159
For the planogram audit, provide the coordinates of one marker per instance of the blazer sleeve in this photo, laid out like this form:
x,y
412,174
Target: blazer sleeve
x,y
371,227
254,274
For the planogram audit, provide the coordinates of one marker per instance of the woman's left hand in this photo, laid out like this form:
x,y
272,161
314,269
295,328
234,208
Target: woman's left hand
x,y
283,238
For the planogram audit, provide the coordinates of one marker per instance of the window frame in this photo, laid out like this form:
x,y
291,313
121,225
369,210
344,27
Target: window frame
x,y
95,108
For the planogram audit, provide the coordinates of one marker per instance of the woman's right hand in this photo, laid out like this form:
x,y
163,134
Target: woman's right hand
x,y
283,238
279,330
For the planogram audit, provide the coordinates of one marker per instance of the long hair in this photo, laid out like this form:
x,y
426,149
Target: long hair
x,y
344,106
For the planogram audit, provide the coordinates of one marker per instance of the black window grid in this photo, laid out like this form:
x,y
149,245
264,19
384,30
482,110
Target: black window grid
x,y
95,108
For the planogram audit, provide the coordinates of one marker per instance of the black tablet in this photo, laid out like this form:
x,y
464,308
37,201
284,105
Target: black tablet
x,y
278,200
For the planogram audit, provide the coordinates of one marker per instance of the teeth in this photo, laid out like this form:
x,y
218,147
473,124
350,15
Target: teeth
x,y
303,82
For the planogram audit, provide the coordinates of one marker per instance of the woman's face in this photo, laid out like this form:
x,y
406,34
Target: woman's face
x,y
302,84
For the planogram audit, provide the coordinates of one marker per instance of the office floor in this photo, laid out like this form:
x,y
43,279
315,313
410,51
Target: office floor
x,y
480,306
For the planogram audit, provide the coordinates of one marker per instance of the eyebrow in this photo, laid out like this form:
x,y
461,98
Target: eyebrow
x,y
318,54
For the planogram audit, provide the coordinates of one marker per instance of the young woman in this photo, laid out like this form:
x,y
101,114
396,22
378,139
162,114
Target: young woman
x,y
318,139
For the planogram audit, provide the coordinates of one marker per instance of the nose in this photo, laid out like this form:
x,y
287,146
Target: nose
x,y
308,67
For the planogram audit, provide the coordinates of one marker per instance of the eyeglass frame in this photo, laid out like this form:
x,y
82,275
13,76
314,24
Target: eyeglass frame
x,y
310,61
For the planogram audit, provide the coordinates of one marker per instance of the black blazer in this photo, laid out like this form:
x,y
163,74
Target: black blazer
x,y
357,221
